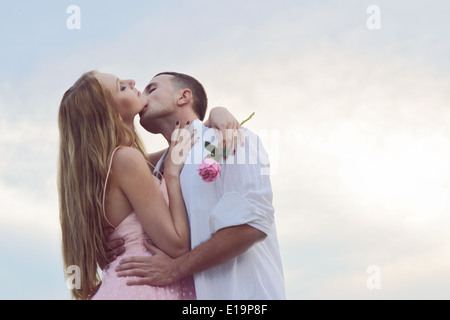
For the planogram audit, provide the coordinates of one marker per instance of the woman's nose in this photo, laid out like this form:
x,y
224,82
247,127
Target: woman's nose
x,y
131,83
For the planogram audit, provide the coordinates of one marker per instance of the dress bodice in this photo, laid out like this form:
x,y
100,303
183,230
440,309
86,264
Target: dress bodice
x,y
131,231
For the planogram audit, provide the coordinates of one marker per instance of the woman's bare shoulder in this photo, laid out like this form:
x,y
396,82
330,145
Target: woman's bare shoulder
x,y
128,158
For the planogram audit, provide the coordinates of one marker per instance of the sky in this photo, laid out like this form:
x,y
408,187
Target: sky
x,y
351,100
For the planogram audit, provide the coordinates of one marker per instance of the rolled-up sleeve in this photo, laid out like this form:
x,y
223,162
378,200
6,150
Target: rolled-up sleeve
x,y
244,189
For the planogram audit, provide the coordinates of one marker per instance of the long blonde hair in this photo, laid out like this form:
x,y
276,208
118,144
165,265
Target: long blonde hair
x,y
90,129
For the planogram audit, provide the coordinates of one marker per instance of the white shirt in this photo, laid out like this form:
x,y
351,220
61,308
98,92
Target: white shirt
x,y
242,194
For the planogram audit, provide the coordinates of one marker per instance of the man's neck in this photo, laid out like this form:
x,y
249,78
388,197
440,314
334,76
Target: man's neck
x,y
169,126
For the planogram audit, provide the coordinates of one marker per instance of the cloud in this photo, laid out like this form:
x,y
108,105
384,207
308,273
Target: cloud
x,y
363,163
362,121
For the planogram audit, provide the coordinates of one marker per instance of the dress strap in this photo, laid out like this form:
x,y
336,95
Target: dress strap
x,y
154,169
104,188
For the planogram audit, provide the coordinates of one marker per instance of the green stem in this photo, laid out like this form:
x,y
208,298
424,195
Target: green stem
x,y
247,118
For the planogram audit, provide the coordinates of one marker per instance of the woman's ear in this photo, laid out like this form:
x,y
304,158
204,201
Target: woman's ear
x,y
185,97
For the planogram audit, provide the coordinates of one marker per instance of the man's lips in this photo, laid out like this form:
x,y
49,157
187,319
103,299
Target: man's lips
x,y
143,110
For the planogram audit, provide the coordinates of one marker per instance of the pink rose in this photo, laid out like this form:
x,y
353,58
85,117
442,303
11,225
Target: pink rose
x,y
209,170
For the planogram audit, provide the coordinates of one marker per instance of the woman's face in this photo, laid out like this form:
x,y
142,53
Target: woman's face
x,y
128,100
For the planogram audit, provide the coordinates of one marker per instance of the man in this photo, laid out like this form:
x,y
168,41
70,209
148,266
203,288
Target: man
x,y
235,253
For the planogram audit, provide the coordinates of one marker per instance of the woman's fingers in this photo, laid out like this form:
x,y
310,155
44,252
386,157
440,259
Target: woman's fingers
x,y
182,140
229,137
175,134
241,136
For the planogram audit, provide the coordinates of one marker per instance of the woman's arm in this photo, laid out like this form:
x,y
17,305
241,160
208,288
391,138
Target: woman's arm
x,y
181,143
167,227
227,127
220,118
142,190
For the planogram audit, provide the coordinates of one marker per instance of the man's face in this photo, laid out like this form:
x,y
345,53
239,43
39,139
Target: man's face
x,y
161,98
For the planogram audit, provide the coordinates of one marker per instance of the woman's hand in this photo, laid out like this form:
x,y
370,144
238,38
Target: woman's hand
x,y
229,128
180,144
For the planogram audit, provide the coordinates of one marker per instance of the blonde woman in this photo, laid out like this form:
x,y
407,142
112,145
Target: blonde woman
x,y
104,180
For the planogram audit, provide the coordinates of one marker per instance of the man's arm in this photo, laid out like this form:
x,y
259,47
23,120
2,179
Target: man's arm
x,y
224,245
161,270
242,216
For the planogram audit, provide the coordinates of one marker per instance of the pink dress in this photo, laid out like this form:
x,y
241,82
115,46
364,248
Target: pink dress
x,y
115,288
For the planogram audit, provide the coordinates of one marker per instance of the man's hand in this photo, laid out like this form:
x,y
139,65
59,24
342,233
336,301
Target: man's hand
x,y
113,248
162,270
157,270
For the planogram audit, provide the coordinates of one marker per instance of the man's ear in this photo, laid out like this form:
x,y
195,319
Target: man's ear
x,y
185,97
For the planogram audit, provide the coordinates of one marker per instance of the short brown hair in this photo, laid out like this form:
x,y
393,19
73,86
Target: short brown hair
x,y
182,81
